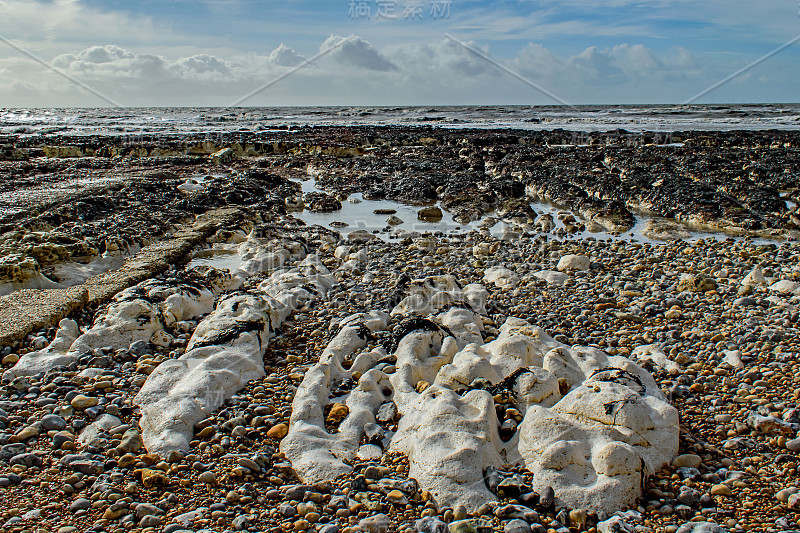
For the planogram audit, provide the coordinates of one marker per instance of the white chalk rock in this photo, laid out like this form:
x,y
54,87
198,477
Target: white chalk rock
x,y
222,356
316,453
262,255
138,313
574,262
190,186
429,295
54,355
785,286
653,353
755,277
593,425
91,434
224,353
552,277
501,277
38,281
732,359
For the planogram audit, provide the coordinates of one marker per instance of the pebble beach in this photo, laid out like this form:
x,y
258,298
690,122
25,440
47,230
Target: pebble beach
x,y
712,316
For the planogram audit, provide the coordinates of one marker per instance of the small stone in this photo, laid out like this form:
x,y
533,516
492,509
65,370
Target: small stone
x,y
378,523
470,526
153,478
249,464
374,434
80,504
113,514
783,495
145,509
173,456
53,423
547,498
517,526
28,460
307,507
573,262
82,402
721,490
337,413
688,460
459,512
62,437
577,518
131,442
26,433
209,478
278,431
701,527
396,497
793,445
430,214
150,521
244,521
431,524
386,413
286,510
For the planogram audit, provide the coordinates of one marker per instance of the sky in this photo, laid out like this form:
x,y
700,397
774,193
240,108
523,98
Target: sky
x,y
98,53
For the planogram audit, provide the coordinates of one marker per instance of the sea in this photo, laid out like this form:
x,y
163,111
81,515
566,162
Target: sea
x,y
586,118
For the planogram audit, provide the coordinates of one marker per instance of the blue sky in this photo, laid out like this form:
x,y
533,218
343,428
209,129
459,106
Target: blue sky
x,y
210,52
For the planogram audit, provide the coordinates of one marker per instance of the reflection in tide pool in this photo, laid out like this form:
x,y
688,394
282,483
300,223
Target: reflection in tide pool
x,y
359,214
221,259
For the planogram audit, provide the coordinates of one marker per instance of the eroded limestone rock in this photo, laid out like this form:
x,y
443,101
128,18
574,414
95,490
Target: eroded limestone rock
x,y
224,353
139,313
592,425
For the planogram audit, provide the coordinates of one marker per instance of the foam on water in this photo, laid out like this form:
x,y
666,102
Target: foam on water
x,y
635,118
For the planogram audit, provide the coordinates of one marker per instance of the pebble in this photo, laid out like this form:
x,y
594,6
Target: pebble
x,y
53,423
378,523
82,402
721,490
278,431
209,478
688,460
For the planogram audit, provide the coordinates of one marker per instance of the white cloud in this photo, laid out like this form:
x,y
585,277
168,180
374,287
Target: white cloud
x,y
623,67
443,58
439,72
285,57
357,52
202,66
73,21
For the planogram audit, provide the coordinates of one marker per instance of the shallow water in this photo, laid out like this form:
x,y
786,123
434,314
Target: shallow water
x,y
361,216
221,259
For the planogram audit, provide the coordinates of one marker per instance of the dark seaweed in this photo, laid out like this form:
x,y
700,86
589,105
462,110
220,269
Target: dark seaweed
x,y
234,332
415,324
